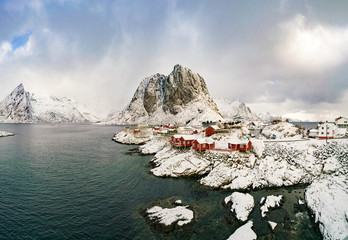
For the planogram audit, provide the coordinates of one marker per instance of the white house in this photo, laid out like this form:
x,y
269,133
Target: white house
x,y
185,130
313,133
326,130
341,122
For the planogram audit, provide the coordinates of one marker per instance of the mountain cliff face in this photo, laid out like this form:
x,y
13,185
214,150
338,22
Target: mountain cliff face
x,y
181,97
22,107
231,109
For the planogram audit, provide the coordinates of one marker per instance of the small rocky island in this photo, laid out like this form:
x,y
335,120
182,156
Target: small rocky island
x,y
6,134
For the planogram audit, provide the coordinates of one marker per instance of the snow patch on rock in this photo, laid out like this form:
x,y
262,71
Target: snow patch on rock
x,y
173,163
327,197
128,136
179,215
242,204
5,134
269,202
282,130
244,232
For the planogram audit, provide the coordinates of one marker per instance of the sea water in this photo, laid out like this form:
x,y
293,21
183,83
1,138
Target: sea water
x,y
72,182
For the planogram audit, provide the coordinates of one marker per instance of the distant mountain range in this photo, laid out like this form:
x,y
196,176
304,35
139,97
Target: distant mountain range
x,y
181,97
23,107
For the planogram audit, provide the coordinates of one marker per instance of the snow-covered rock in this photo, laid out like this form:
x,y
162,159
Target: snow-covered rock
x,y
22,107
231,109
244,232
181,97
179,215
272,224
5,134
242,204
327,197
282,130
153,146
172,163
269,202
127,136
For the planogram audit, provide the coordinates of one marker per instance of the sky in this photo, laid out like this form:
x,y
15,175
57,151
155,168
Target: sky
x,y
288,58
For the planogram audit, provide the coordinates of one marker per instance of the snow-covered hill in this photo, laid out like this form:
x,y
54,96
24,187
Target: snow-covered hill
x,y
22,107
181,97
231,109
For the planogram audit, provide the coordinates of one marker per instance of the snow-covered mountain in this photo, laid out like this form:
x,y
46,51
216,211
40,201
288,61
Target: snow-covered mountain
x,y
232,109
181,97
22,107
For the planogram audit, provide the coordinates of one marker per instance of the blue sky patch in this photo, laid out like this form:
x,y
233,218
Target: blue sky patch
x,y
20,41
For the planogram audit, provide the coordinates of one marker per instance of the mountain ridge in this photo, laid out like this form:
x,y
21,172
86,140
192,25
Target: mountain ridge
x,y
23,107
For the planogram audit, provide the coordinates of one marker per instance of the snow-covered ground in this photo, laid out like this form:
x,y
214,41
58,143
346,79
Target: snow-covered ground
x,y
5,134
128,136
179,215
327,196
242,204
175,163
282,130
154,145
269,202
244,232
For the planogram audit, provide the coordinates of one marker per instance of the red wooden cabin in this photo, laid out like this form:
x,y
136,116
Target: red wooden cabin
x,y
203,144
239,145
211,130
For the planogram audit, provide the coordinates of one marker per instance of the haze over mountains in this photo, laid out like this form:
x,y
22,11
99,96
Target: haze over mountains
x,y
181,97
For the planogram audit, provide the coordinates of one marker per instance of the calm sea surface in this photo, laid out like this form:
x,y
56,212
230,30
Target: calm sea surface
x,y
73,182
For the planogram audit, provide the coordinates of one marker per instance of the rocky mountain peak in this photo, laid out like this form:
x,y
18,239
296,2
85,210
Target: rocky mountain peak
x,y
160,96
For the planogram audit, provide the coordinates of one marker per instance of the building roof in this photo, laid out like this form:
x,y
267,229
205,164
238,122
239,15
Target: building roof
x,y
205,140
188,137
237,141
214,127
336,119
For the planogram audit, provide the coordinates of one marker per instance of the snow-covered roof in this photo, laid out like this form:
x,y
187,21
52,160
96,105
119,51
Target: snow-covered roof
x,y
214,127
185,128
205,140
314,130
237,141
177,136
188,137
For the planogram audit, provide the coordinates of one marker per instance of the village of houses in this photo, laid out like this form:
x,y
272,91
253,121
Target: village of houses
x,y
204,137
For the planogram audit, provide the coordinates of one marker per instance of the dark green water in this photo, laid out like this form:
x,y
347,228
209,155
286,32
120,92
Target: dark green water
x,y
73,182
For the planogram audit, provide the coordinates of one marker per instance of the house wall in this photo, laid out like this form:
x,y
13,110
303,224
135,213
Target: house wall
x,y
342,122
209,131
325,131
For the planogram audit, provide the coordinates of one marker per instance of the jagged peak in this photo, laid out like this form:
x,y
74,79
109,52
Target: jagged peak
x,y
19,87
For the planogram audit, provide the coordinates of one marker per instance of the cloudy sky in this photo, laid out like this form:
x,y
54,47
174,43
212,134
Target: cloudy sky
x,y
289,58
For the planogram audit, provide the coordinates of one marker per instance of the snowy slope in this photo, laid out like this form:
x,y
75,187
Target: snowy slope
x,y
181,97
230,109
22,107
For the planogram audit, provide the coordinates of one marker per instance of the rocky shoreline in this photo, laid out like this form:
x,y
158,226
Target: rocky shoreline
x,y
268,165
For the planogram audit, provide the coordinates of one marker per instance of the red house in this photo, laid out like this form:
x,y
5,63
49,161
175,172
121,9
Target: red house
x,y
136,131
187,140
203,144
211,130
241,145
175,140
182,140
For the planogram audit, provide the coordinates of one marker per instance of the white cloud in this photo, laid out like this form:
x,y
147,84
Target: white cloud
x,y
5,50
312,47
